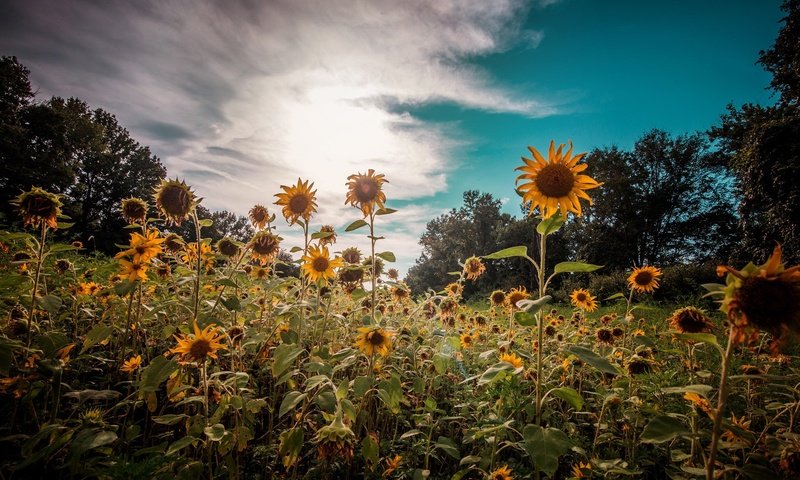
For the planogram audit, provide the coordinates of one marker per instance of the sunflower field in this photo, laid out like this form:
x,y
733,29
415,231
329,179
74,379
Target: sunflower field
x,y
179,358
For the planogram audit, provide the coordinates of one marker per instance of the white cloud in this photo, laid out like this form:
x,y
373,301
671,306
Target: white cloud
x,y
239,98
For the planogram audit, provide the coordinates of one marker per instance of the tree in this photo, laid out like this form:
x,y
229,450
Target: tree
x,y
762,148
66,147
225,224
667,201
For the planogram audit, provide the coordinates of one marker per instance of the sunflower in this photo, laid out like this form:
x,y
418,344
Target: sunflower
x,y
133,270
466,340
372,340
454,289
351,255
644,279
200,345
690,320
473,268
37,206
400,293
497,298
365,191
392,464
260,217
265,246
89,288
637,365
605,335
173,243
701,402
512,358
190,253
515,295
379,265
318,266
298,201
502,473
350,275
582,299
134,210
260,273
765,297
143,247
327,235
175,200
227,247
393,274
556,183
579,470
132,364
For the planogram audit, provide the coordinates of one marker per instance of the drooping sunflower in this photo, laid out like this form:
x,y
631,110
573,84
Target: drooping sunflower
x,y
133,270
318,266
454,289
765,297
259,216
365,191
37,206
227,247
502,473
143,247
400,293
134,210
298,201
173,243
351,255
473,268
582,299
393,274
327,235
132,364
556,183
265,246
512,358
515,295
379,266
644,279
497,298
175,200
200,345
372,340
690,320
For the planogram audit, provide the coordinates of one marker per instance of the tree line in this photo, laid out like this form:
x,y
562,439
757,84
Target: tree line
x,y
727,195
83,154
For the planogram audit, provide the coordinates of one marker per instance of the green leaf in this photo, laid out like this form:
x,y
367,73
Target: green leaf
x,y
410,433
448,446
356,225
291,442
361,385
61,247
370,450
391,393
180,444
124,287
569,395
708,338
525,319
290,401
97,334
663,429
64,225
160,369
170,419
206,222
51,303
388,256
318,235
385,211
519,251
615,296
703,390
492,372
550,225
295,250
533,306
545,445
575,267
232,303
284,356
592,359
215,432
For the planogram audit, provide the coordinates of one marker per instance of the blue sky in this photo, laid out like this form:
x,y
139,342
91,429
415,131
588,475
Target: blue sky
x,y
442,96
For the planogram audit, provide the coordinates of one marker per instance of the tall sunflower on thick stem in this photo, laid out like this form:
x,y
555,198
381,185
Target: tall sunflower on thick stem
x,y
365,192
552,187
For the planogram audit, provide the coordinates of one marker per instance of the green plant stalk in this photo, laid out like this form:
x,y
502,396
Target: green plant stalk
x,y
199,265
372,275
540,328
39,262
721,399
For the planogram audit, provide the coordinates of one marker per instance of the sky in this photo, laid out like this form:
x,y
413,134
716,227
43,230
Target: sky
x,y
240,97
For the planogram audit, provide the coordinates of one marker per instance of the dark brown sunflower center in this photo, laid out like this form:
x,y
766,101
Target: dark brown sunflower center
x,y
366,190
320,264
141,250
40,206
643,278
498,298
136,267
467,339
298,204
175,200
375,338
692,322
767,304
265,246
200,348
134,210
555,180
581,297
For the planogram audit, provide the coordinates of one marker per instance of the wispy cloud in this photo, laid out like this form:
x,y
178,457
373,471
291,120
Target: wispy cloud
x,y
241,97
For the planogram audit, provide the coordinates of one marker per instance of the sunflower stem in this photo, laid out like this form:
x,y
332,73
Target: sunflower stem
x,y
372,272
39,262
721,399
540,328
199,264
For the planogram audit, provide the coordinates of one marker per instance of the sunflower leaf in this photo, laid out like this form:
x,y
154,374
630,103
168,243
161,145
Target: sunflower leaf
x,y
388,256
356,225
575,267
663,429
550,225
385,211
518,251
